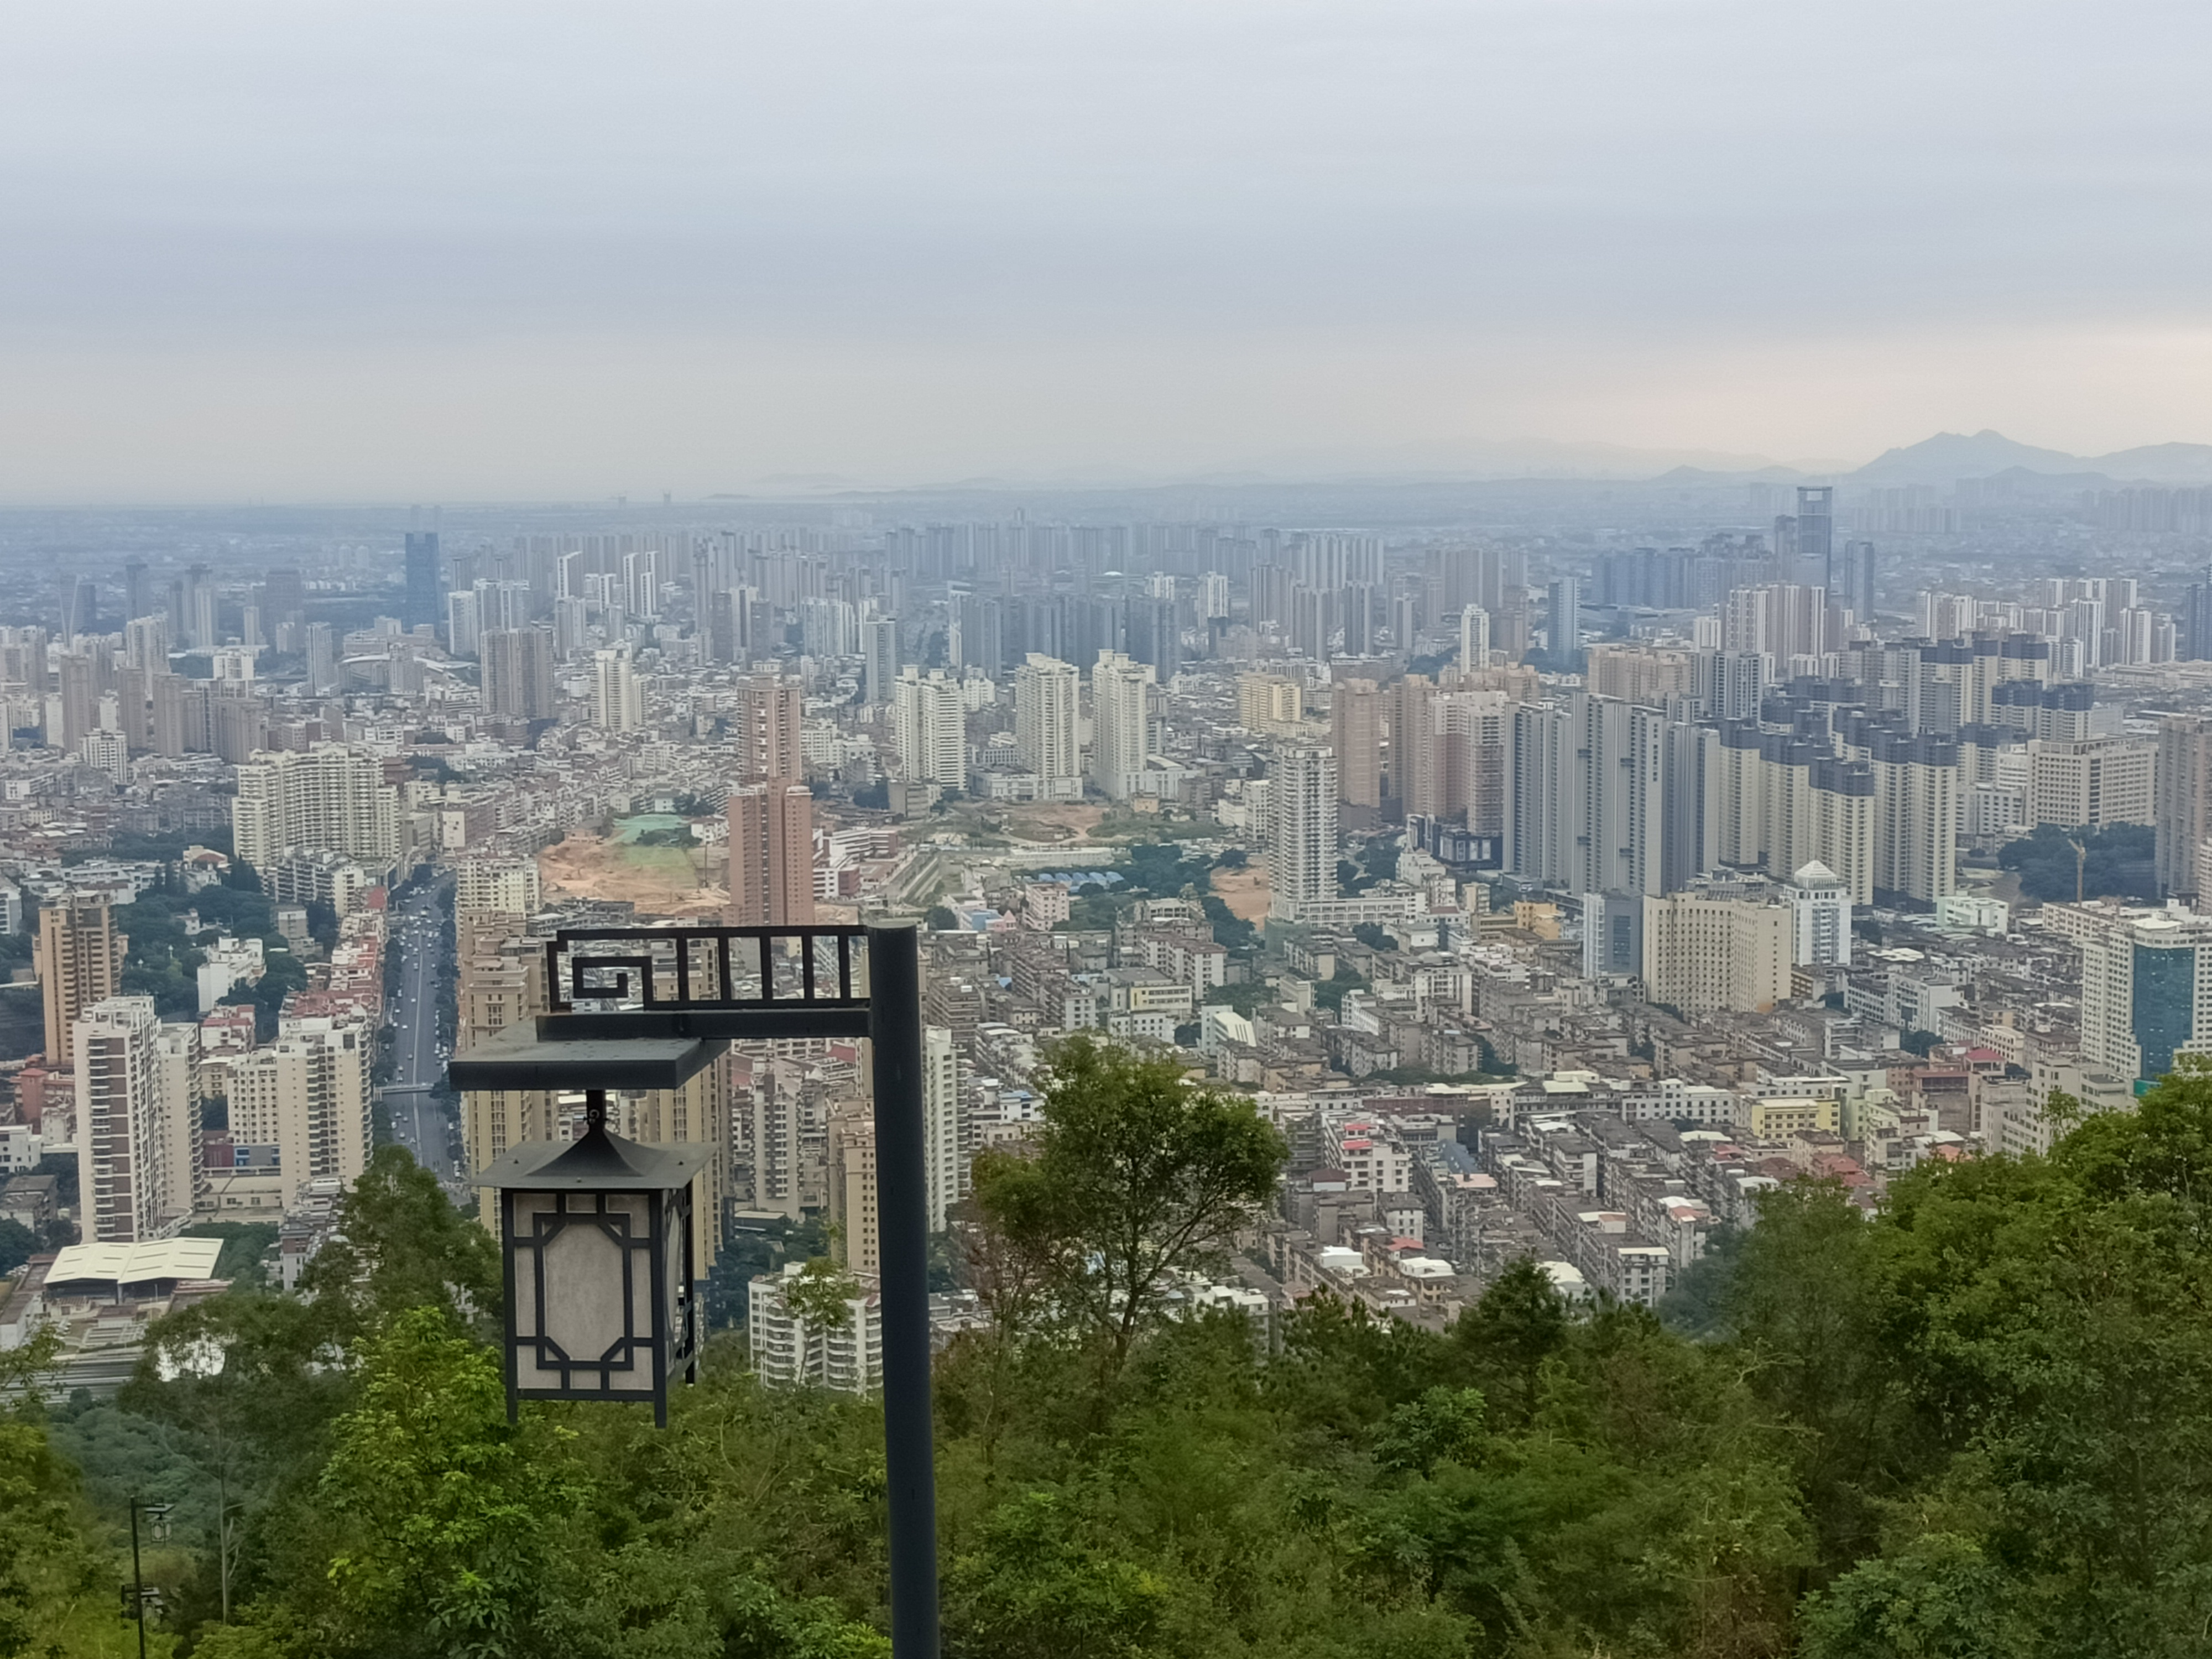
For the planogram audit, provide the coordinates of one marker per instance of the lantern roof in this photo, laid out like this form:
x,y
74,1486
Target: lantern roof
x,y
519,1057
598,1162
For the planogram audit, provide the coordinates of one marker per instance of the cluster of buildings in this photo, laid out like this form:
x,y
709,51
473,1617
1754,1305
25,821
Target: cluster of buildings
x,y
1555,898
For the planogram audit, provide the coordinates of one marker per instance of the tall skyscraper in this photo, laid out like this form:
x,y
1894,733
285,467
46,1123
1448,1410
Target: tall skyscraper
x,y
944,1170
79,961
930,728
770,712
1301,832
2140,1001
1355,731
1563,627
518,673
1814,537
199,610
1473,639
2185,801
1120,729
771,855
1045,693
426,581
879,657
617,699
138,591
322,658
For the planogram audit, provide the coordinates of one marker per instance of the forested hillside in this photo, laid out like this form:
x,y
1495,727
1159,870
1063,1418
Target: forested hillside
x,y
1979,1425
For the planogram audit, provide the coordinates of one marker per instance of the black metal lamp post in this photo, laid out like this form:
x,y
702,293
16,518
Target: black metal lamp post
x,y
596,1234
157,1525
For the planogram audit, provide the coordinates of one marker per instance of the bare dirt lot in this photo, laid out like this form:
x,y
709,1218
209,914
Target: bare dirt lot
x,y
1244,891
1046,822
660,881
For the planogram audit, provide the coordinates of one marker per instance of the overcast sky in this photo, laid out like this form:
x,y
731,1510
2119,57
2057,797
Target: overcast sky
x,y
471,251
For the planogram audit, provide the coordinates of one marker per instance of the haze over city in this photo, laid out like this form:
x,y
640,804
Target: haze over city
x,y
1233,830
572,252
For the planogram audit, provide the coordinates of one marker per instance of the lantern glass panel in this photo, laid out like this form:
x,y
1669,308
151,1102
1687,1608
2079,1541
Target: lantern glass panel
x,y
584,1268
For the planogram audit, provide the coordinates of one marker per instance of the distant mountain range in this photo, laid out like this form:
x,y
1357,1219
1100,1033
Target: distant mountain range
x,y
1949,456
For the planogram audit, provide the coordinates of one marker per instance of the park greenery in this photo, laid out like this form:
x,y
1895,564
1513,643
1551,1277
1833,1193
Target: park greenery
x,y
1975,1425
2119,862
163,959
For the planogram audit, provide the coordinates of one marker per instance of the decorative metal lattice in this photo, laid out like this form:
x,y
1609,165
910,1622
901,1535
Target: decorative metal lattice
x,y
684,969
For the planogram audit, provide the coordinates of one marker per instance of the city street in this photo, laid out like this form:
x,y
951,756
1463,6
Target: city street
x,y
420,1120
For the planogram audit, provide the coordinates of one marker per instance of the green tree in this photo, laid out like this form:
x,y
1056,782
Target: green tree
x,y
444,1514
1136,1176
398,1244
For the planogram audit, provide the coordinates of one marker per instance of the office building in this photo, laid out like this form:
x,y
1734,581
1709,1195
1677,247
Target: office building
x,y
1047,694
1272,704
1120,725
2093,782
328,798
79,956
426,584
618,695
1563,628
771,855
1820,912
929,723
1706,952
1302,829
2146,988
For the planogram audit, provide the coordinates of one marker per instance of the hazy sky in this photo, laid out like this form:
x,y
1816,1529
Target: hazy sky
x,y
465,250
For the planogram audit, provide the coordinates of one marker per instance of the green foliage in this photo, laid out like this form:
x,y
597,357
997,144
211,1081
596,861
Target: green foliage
x,y
245,1247
2120,862
1329,992
398,1245
1136,1176
941,919
1918,1042
56,1581
163,962
18,1243
1247,999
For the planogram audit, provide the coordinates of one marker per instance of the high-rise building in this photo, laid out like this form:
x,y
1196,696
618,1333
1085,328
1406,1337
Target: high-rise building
x,y
518,673
2184,801
1821,909
306,1094
852,1193
79,961
426,581
1355,732
2146,989
1121,726
791,1349
1706,952
502,979
1852,585
199,616
138,591
617,698
770,712
1047,693
1301,832
322,658
326,798
2093,782
137,1148
929,726
771,855
464,623
1473,639
1563,627
879,657
945,1170
1812,539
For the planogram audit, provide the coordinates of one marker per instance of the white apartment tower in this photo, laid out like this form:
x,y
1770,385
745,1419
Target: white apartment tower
x,y
306,1094
328,798
930,727
617,698
137,1127
1473,639
1045,693
1121,737
1302,840
944,1170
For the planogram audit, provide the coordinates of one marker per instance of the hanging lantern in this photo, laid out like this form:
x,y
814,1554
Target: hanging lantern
x,y
597,1240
